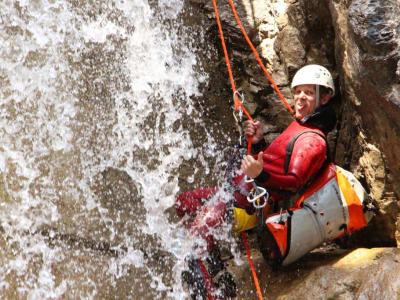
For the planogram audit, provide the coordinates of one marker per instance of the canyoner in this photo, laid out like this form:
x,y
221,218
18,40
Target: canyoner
x,y
290,191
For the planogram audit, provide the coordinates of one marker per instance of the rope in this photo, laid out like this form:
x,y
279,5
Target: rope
x,y
259,59
238,106
253,271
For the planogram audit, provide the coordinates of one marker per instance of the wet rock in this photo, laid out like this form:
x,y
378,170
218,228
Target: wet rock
x,y
290,48
119,198
367,47
73,264
356,40
326,274
359,42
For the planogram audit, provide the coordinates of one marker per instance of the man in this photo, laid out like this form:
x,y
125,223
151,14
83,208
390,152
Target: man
x,y
281,173
313,88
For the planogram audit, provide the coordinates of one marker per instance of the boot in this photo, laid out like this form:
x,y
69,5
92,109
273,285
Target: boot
x,y
215,263
200,283
226,286
223,281
198,280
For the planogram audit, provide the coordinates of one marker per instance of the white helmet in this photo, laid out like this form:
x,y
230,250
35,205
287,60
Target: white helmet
x,y
314,74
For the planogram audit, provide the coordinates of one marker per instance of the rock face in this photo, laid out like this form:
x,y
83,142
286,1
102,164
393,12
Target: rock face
x,y
337,274
367,56
359,42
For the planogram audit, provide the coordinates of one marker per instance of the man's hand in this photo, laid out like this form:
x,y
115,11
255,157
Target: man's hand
x,y
255,130
251,167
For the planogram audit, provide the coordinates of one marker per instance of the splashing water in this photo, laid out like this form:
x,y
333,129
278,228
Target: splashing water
x,y
96,125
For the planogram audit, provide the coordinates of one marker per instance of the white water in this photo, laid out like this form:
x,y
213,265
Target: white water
x,y
85,89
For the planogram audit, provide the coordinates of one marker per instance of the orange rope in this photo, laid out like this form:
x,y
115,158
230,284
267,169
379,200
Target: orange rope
x,y
253,271
259,59
228,64
238,105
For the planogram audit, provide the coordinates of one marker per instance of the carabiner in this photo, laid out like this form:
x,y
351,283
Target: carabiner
x,y
256,194
247,180
237,92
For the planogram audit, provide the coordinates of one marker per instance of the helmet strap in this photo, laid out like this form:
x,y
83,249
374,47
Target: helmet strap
x,y
316,96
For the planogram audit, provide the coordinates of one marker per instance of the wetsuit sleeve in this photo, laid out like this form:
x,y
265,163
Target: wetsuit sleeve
x,y
262,177
260,146
308,156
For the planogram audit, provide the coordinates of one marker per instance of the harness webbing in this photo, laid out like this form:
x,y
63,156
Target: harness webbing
x,y
290,146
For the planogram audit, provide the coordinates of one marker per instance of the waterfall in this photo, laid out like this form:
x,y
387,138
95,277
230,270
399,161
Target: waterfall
x,y
99,134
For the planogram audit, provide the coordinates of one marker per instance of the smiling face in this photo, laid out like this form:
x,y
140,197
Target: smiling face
x,y
304,100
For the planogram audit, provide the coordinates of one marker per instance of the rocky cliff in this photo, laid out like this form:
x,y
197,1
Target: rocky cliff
x,y
359,42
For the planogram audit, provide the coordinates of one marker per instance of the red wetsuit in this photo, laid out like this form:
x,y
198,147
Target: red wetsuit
x,y
308,155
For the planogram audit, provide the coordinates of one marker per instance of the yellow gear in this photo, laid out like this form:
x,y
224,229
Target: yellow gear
x,y
242,220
